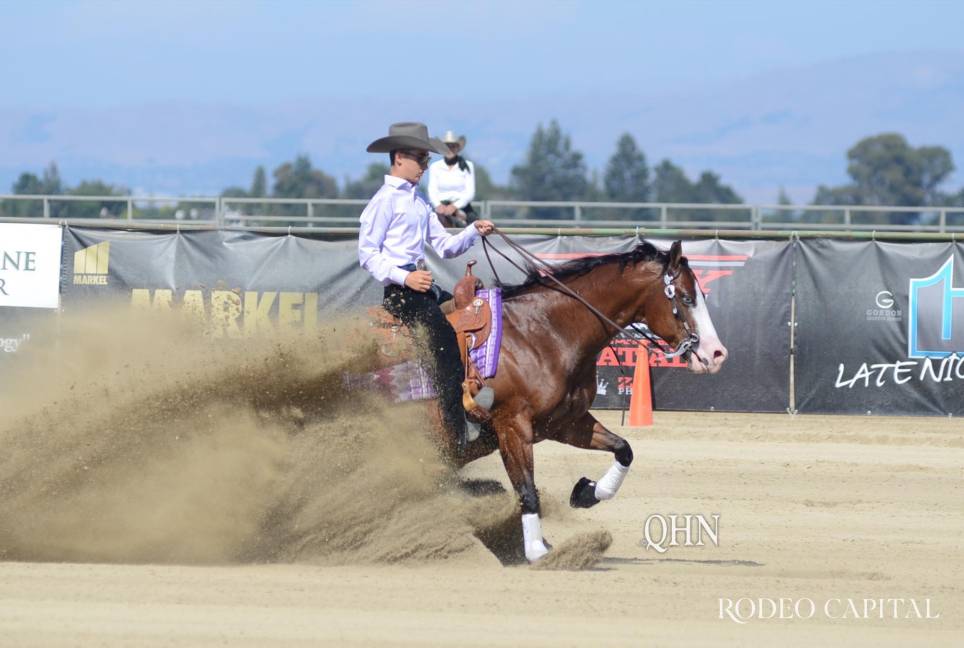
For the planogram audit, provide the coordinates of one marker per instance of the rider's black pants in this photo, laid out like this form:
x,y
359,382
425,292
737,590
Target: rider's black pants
x,y
445,367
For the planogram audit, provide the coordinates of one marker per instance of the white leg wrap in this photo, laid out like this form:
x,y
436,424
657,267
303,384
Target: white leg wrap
x,y
609,484
532,537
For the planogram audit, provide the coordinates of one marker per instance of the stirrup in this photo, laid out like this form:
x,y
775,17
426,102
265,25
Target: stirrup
x,y
474,411
484,400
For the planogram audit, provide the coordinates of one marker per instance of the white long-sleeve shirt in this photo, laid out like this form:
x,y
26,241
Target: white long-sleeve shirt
x,y
451,184
395,226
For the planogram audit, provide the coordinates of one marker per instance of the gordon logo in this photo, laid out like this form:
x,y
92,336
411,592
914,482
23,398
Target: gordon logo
x,y
935,327
885,310
90,265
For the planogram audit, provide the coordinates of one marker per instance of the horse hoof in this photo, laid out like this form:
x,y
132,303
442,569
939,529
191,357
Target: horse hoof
x,y
535,551
583,494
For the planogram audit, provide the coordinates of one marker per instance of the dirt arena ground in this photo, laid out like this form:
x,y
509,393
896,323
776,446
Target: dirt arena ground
x,y
814,508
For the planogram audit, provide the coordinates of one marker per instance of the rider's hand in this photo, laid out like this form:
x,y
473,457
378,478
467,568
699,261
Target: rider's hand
x,y
419,280
484,226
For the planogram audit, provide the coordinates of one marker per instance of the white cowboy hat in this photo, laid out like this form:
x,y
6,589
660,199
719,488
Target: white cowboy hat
x,y
408,135
450,138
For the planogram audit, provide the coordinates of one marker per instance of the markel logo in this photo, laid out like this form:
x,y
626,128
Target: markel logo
x,y
90,265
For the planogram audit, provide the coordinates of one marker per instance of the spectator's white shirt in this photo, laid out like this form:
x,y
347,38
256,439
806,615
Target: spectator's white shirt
x,y
395,226
451,184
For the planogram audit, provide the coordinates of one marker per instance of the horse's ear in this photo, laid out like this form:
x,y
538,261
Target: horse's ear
x,y
675,256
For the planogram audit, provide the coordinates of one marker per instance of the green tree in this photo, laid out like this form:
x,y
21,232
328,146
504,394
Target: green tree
x,y
886,170
486,188
299,179
627,175
51,183
709,189
105,209
368,184
259,184
552,171
670,184
28,184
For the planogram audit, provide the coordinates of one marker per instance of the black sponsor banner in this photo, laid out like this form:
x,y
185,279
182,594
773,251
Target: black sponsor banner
x,y
239,282
880,327
244,282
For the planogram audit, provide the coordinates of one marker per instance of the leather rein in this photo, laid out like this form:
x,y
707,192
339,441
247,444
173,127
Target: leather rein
x,y
684,348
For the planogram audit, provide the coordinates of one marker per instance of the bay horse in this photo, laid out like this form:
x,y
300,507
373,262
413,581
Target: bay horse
x,y
546,380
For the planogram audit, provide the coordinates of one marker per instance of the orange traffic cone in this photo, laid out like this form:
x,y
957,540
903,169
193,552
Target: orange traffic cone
x,y
641,402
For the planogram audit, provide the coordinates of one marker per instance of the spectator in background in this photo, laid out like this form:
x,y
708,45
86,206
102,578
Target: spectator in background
x,y
451,185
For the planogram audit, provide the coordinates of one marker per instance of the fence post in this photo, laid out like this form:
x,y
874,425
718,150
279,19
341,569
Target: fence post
x,y
942,219
846,216
578,211
311,214
662,216
46,207
130,208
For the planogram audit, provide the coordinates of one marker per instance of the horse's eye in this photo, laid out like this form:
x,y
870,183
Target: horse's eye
x,y
688,301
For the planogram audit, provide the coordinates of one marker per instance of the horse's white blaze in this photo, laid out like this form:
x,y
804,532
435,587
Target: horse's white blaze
x,y
710,354
608,485
535,547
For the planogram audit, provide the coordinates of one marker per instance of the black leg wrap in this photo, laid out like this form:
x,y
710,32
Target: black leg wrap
x,y
583,494
623,453
529,499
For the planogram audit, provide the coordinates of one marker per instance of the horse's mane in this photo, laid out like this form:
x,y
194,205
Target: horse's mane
x,y
645,251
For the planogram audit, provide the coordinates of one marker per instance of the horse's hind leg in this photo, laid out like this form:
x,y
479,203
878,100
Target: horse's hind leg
x,y
515,445
590,433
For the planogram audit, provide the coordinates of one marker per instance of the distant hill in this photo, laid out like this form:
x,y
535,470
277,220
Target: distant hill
x,y
788,127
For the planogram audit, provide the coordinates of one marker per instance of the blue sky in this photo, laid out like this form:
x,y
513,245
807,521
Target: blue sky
x,y
110,53
64,59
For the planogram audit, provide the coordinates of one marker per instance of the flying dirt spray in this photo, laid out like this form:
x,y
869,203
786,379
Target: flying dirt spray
x,y
133,437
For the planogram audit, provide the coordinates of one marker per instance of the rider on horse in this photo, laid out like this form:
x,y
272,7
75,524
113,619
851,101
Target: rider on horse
x,y
396,225
451,184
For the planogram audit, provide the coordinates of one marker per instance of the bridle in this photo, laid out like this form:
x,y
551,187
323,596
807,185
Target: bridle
x,y
692,339
684,348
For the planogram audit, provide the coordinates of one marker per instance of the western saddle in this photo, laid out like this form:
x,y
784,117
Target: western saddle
x,y
471,318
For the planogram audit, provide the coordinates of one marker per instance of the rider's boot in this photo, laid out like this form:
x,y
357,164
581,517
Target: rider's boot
x,y
483,399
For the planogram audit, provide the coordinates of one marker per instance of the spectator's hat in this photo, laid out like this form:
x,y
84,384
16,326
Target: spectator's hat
x,y
450,138
408,135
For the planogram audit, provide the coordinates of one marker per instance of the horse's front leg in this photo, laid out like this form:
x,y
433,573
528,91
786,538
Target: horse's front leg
x,y
589,433
515,444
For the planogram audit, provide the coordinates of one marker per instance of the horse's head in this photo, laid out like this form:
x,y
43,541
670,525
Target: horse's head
x,y
675,310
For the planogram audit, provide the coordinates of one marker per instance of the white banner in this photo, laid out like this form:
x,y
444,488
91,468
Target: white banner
x,y
30,265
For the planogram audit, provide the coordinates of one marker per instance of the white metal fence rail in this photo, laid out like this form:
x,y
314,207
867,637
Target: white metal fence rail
x,y
220,211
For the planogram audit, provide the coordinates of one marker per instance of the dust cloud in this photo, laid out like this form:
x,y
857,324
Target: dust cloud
x,y
134,437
